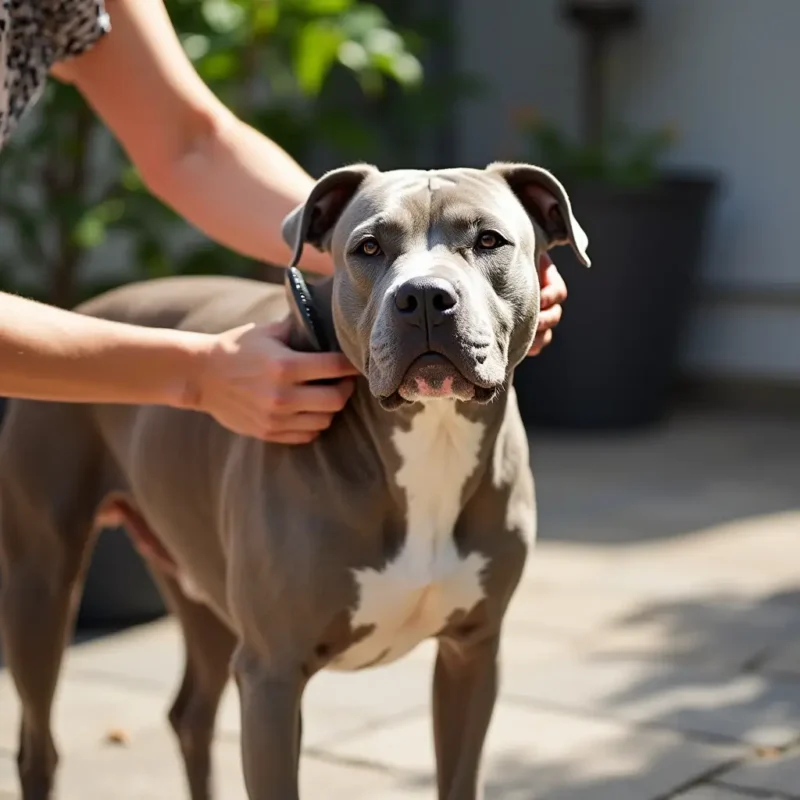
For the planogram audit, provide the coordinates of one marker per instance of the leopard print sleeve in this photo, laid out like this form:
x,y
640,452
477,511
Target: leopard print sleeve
x,y
34,35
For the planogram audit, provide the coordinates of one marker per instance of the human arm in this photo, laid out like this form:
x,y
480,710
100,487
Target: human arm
x,y
229,181
246,378
219,173
214,170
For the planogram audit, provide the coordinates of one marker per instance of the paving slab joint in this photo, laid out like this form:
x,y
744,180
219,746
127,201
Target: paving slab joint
x,y
358,763
758,660
756,794
704,779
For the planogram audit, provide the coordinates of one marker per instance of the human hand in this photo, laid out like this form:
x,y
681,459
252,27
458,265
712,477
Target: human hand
x,y
255,385
553,292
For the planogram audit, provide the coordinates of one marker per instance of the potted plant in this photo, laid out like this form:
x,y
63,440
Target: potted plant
x,y
614,358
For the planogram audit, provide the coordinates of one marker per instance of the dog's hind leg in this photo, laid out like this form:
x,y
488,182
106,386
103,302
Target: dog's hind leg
x,y
209,645
49,478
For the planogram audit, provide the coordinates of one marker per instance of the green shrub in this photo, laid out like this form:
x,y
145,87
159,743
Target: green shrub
x,y
283,66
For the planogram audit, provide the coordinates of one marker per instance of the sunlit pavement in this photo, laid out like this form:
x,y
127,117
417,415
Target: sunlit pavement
x,y
652,652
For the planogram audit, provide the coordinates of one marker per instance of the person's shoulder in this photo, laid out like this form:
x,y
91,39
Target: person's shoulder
x,y
48,31
36,35
73,26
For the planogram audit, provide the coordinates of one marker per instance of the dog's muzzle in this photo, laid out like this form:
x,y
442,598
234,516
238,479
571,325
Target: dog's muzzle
x,y
432,360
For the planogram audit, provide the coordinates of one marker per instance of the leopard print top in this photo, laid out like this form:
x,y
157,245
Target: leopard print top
x,y
34,35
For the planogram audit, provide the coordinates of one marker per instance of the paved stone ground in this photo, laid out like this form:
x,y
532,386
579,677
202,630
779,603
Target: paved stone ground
x,y
651,653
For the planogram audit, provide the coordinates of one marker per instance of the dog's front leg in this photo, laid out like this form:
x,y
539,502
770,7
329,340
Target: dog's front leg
x,y
270,710
464,692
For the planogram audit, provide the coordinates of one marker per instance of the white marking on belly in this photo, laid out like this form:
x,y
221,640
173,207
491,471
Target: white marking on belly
x,y
413,596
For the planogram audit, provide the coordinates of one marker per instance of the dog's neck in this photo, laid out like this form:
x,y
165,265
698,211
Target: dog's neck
x,y
446,417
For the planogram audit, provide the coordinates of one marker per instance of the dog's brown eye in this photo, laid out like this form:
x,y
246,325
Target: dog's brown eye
x,y
369,247
489,240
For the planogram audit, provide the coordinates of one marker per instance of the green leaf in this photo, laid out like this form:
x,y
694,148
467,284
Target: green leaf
x,y
353,55
382,41
406,70
89,232
218,67
223,16
264,17
316,52
362,19
196,46
320,8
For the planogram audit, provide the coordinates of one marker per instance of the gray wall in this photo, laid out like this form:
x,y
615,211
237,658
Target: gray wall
x,y
726,74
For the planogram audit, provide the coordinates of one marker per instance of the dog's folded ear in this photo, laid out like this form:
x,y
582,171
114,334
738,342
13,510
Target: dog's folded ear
x,y
312,221
547,203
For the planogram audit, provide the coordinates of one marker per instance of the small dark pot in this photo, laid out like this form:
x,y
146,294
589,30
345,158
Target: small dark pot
x,y
119,589
614,356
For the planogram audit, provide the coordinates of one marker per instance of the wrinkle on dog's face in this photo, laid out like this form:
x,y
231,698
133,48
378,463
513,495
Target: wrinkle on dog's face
x,y
430,311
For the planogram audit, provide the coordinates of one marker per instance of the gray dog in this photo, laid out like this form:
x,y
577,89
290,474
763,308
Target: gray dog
x,y
409,518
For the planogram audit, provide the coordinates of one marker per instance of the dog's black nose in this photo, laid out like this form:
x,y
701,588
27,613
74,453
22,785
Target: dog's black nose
x,y
421,299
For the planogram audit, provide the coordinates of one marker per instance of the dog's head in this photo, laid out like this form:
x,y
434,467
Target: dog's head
x,y
436,291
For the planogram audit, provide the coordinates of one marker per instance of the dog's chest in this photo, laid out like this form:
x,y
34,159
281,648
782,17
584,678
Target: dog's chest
x,y
412,597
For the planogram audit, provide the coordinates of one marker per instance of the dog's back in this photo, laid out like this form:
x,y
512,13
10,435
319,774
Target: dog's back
x,y
59,461
203,303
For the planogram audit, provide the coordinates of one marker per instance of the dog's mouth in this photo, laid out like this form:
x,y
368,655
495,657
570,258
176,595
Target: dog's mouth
x,y
432,376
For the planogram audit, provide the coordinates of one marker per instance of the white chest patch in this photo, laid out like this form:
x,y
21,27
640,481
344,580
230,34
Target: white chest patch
x,y
413,596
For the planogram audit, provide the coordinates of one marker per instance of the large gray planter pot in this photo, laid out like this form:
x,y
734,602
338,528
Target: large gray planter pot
x,y
614,357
